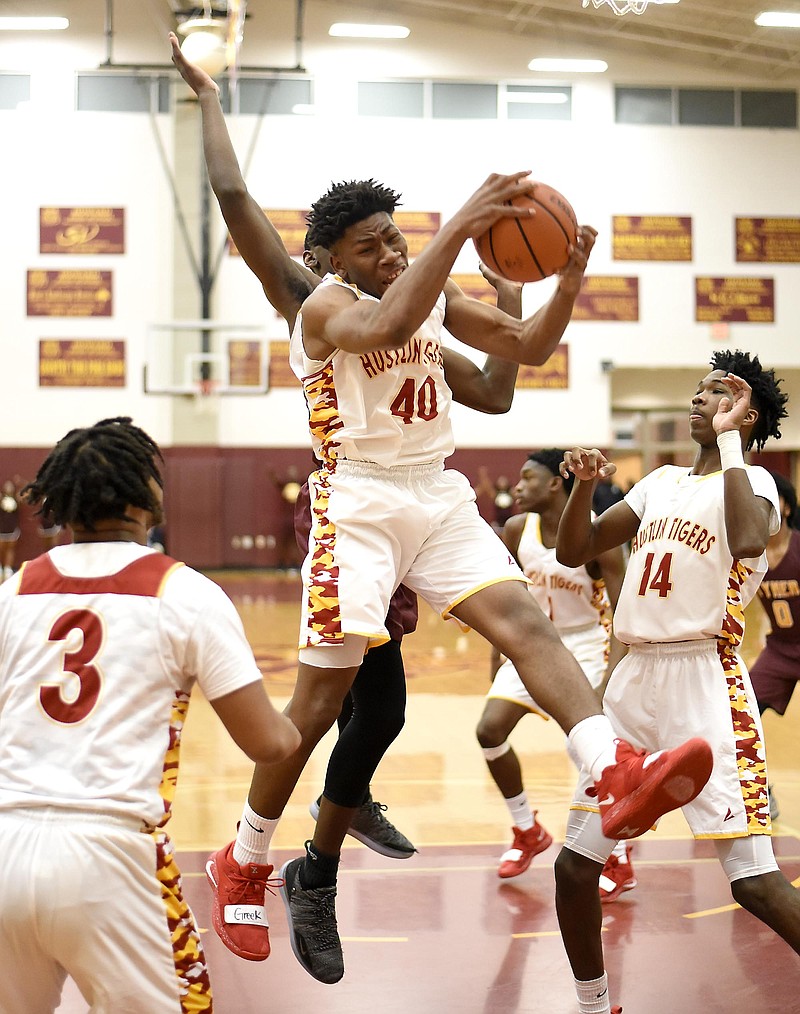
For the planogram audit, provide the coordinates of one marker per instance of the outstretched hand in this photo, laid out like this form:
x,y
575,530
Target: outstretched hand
x,y
586,465
491,201
196,78
731,412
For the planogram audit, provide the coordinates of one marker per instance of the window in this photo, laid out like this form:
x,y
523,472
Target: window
x,y
769,109
722,107
707,107
537,102
109,92
391,98
643,105
14,88
464,101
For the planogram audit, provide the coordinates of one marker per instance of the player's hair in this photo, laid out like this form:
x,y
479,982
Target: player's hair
x,y
551,458
94,473
343,205
789,494
767,396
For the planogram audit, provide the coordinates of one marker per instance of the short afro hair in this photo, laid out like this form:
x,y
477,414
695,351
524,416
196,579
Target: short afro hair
x,y
768,398
551,458
342,206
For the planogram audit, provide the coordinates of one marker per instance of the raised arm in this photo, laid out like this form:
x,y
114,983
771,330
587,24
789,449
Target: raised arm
x,y
581,539
530,341
286,283
747,516
488,389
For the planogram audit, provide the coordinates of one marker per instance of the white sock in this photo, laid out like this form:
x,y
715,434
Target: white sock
x,y
593,997
621,851
595,743
253,837
520,810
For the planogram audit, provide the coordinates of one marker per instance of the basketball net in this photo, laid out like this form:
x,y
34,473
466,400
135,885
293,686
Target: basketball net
x,y
625,6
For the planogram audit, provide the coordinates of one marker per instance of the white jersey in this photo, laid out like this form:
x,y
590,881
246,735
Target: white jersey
x,y
682,583
100,645
390,407
569,596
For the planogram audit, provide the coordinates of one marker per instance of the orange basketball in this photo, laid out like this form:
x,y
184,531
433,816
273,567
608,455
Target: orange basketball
x,y
529,249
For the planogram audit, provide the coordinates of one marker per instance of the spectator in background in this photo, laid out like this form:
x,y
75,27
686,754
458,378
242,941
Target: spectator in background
x,y
9,528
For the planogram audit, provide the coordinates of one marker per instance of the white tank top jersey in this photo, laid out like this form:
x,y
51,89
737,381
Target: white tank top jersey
x,y
569,596
682,584
100,645
391,407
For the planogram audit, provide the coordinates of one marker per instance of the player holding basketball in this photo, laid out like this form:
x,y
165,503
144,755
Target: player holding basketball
x,y
101,642
579,602
698,540
367,345
380,686
777,669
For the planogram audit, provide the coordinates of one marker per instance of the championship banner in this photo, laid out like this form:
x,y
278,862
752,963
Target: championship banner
x,y
477,287
69,294
607,297
82,230
79,362
418,227
553,375
746,300
291,226
244,363
280,373
768,240
652,238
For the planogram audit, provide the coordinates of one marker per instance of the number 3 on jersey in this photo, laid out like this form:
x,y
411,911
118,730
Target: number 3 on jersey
x,y
79,663
409,401
660,580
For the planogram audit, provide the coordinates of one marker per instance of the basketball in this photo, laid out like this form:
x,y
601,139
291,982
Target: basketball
x,y
529,249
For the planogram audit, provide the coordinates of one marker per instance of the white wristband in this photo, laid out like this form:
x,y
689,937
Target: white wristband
x,y
730,449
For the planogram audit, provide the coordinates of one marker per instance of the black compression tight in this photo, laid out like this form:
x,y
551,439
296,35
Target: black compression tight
x,y
376,716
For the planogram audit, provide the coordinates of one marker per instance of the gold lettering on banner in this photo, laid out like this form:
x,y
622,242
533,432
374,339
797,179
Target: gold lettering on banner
x,y
81,363
651,238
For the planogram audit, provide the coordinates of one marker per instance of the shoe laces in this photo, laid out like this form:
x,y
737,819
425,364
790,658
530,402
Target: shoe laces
x,y
377,811
252,890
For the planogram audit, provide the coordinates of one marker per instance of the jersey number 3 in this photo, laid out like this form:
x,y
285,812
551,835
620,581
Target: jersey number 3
x,y
658,581
79,663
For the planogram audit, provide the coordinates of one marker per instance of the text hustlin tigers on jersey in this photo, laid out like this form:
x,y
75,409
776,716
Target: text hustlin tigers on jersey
x,y
378,362
692,535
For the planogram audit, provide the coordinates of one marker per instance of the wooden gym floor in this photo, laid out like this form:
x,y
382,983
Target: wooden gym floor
x,y
440,933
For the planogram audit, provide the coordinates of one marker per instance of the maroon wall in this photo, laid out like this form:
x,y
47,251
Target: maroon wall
x,y
217,499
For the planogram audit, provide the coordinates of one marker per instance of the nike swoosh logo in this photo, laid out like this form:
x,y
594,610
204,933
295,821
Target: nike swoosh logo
x,y
610,798
258,830
727,816
599,995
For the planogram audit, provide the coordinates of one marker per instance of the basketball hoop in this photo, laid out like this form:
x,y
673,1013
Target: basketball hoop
x,y
626,6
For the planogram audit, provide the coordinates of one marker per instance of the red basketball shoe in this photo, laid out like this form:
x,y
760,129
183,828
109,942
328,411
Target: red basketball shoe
x,y
238,912
617,876
525,846
633,793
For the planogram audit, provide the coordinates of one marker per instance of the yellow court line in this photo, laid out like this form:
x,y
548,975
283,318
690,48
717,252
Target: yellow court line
x,y
545,933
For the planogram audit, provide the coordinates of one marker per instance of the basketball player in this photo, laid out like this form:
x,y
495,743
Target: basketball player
x,y
698,539
777,669
381,682
101,642
579,602
367,346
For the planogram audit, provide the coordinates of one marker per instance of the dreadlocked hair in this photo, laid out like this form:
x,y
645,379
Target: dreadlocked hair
x,y
93,474
767,397
551,458
345,204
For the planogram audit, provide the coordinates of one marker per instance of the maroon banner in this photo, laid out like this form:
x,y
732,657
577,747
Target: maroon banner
x,y
291,226
81,362
477,287
652,238
244,363
554,374
280,373
69,294
418,227
745,300
607,297
768,240
82,230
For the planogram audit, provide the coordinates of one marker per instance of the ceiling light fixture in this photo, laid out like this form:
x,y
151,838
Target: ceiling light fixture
x,y
33,24
778,19
343,30
206,43
557,66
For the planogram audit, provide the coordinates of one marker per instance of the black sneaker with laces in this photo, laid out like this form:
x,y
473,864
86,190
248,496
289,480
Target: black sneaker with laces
x,y
371,828
313,932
